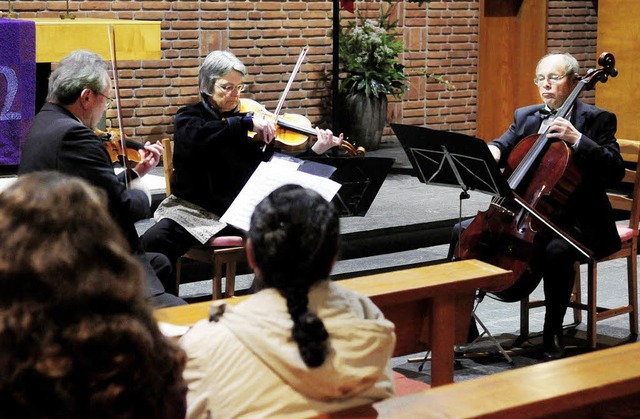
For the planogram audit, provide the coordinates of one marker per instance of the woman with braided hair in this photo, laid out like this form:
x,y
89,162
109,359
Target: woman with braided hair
x,y
302,345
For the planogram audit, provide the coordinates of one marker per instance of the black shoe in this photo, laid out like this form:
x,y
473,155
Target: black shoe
x,y
553,345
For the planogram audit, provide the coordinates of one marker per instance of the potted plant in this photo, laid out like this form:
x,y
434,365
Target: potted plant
x,y
370,70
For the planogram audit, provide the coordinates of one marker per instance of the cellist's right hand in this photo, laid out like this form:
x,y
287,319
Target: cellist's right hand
x,y
264,128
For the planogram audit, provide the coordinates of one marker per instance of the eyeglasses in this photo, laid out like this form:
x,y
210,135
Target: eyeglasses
x,y
229,88
551,78
109,100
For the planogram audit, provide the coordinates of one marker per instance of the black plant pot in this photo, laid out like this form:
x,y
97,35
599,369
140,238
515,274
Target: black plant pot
x,y
364,119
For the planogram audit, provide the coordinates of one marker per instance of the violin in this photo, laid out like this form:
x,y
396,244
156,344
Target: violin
x,y
112,140
292,130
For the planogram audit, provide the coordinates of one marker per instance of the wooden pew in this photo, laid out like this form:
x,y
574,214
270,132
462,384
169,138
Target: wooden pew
x,y
430,307
604,383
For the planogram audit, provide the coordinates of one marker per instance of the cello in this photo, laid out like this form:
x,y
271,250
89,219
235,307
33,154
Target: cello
x,y
542,176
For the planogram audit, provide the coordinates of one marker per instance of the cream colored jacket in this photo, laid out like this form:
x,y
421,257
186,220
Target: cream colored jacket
x,y
247,365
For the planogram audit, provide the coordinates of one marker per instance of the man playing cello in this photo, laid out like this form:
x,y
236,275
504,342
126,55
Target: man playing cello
x,y
587,217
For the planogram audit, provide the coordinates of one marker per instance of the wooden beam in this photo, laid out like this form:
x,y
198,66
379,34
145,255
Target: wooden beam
x,y
135,40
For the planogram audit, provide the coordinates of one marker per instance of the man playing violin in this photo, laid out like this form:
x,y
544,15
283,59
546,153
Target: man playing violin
x,y
213,158
62,138
587,216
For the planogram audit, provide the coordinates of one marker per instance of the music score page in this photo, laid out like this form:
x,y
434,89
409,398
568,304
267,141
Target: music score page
x,y
268,177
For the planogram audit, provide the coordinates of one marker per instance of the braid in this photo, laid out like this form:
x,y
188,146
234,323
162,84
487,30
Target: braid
x,y
294,236
308,330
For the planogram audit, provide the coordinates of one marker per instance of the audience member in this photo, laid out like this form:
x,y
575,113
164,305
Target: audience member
x,y
300,346
77,338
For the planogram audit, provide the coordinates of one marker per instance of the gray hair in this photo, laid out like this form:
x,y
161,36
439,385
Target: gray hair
x,y
77,71
571,65
216,65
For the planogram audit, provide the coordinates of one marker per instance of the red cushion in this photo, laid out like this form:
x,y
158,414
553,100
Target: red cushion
x,y
225,241
626,233
405,385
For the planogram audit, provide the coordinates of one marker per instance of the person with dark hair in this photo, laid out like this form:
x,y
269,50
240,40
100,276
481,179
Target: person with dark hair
x,y
213,159
62,138
301,345
77,338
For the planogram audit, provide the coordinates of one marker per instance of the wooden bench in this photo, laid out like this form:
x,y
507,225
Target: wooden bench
x,y
604,383
430,307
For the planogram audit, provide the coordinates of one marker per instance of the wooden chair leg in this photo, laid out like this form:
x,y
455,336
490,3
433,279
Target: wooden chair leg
x,y
228,259
230,279
217,278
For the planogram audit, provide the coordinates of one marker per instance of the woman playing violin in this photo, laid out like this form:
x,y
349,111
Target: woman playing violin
x,y
213,158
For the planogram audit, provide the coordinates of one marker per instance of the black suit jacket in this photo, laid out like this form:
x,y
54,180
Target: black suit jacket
x,y
58,141
588,214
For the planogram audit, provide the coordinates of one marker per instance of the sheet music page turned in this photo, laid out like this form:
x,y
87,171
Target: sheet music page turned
x,y
267,178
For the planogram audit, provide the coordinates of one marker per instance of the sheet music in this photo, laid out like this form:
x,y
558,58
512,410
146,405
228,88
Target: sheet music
x,y
268,177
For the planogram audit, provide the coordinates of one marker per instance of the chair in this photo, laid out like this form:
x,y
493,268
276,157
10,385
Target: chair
x,y
220,251
630,204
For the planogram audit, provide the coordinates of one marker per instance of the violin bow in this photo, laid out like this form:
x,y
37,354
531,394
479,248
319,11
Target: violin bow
x,y
303,54
283,96
116,84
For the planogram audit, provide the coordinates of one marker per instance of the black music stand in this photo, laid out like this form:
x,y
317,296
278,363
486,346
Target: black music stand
x,y
361,179
451,159
457,160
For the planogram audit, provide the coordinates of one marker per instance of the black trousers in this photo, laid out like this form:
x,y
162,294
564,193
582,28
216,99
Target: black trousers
x,y
556,260
157,270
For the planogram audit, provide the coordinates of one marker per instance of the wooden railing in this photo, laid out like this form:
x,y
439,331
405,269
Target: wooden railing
x,y
430,307
603,383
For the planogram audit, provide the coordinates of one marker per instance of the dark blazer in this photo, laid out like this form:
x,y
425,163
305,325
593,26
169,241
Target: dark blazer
x,y
588,213
213,158
58,141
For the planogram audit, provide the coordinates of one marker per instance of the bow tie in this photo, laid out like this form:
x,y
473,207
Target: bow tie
x,y
546,113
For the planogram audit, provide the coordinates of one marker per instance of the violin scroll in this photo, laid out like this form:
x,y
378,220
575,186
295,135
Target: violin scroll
x,y
352,150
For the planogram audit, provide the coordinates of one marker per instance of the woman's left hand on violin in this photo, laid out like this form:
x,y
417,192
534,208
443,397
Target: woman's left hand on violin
x,y
149,158
326,141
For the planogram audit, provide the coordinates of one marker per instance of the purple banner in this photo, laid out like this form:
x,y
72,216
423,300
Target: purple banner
x,y
17,86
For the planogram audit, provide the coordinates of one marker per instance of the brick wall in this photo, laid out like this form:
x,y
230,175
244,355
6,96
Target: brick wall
x,y
573,28
440,37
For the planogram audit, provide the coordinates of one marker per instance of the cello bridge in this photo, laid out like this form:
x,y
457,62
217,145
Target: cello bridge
x,y
502,210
